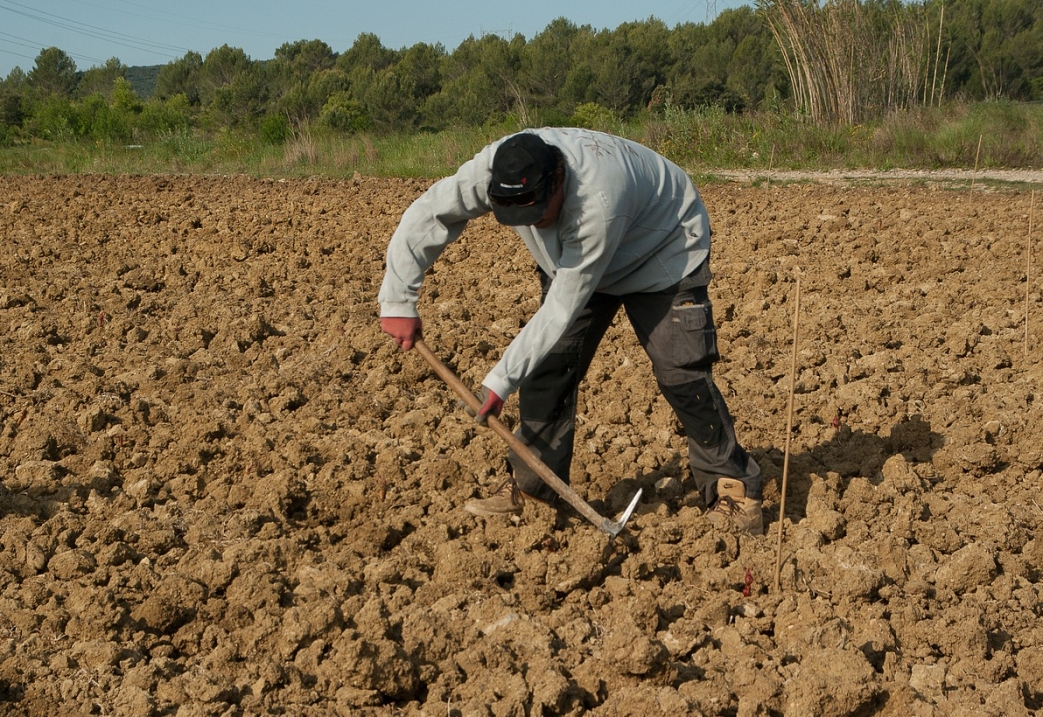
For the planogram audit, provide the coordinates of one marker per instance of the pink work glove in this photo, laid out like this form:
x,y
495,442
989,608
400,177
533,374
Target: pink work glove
x,y
491,406
405,330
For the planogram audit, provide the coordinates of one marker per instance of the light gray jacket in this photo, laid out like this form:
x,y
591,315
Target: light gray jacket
x,y
632,221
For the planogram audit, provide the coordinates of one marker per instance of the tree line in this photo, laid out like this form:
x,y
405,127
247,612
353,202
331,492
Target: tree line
x,y
832,60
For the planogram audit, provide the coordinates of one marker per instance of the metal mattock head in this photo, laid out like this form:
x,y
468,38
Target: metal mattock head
x,y
614,528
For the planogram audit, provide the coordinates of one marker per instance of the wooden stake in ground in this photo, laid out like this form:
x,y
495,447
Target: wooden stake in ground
x,y
1028,273
976,155
789,431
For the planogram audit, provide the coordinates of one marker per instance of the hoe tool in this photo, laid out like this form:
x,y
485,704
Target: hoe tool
x,y
611,527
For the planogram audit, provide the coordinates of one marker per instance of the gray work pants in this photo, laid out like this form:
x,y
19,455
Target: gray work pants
x,y
676,329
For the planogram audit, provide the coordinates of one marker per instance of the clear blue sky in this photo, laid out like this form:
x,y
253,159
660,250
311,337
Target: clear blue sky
x,y
155,32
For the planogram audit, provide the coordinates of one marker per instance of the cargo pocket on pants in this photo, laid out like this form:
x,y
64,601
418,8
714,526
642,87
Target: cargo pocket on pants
x,y
694,335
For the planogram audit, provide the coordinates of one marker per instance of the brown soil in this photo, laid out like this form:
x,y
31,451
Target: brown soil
x,y
225,492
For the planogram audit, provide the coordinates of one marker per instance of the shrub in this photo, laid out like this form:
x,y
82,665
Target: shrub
x,y
164,117
344,114
274,129
593,116
54,119
102,122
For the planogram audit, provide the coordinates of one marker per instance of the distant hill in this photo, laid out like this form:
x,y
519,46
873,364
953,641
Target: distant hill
x,y
142,80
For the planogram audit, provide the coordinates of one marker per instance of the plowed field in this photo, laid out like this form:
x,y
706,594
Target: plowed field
x,y
224,492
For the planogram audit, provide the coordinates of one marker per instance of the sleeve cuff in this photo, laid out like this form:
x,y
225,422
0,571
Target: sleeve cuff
x,y
499,387
398,309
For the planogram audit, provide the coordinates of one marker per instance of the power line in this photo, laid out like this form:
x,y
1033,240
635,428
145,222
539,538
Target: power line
x,y
188,21
682,12
38,46
16,54
116,38
20,41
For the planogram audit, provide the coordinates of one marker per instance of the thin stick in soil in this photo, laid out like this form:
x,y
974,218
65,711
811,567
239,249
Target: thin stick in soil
x,y
1028,273
789,432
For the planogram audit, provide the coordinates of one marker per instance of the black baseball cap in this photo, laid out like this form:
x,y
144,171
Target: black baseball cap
x,y
522,178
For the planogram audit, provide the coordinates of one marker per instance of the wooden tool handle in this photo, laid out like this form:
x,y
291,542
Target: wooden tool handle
x,y
514,443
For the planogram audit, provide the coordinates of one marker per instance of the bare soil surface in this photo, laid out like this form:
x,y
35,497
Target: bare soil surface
x,y
225,492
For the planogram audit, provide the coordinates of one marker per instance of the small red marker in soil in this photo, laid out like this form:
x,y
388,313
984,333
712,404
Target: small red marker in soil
x,y
747,588
101,320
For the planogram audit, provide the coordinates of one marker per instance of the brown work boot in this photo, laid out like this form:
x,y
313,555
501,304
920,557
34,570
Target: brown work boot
x,y
734,510
505,500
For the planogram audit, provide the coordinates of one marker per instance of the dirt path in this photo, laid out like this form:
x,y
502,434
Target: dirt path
x,y
962,178
225,493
